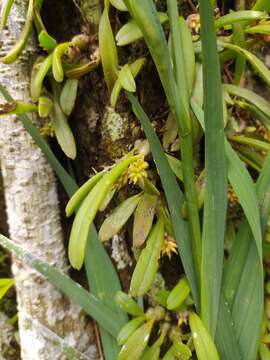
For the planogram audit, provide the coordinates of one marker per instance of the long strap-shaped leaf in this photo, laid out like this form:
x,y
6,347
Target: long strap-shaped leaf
x,y
216,176
184,123
173,194
77,294
242,302
243,277
242,183
104,285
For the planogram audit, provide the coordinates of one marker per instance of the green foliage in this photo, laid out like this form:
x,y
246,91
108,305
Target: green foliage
x,y
88,210
5,285
46,41
19,46
107,48
204,346
178,295
5,13
68,95
147,265
228,296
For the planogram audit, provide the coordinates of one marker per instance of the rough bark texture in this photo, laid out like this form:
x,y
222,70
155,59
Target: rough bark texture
x,y
33,217
8,343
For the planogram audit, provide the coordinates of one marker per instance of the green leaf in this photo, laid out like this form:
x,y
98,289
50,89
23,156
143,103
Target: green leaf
x,y
62,131
259,29
181,351
244,188
256,100
147,265
68,95
152,353
21,43
104,284
119,5
176,167
173,194
169,354
256,63
47,41
129,329
45,106
5,285
94,307
261,5
178,294
238,16
143,218
243,276
226,340
240,62
5,13
188,53
226,336
249,141
128,304
130,32
264,352
107,199
204,345
57,68
39,72
82,192
114,222
107,49
136,343
135,68
215,204
126,78
88,210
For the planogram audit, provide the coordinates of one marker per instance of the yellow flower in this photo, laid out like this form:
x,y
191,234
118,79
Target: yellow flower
x,y
232,197
194,23
137,170
169,246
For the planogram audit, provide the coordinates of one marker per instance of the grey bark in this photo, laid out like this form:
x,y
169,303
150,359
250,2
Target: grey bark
x,y
7,340
33,218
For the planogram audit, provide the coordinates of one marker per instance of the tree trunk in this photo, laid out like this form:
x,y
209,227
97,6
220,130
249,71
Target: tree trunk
x,y
33,217
8,343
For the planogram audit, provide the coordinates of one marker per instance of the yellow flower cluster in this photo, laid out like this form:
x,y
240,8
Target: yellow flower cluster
x,y
232,197
194,23
135,173
137,170
169,246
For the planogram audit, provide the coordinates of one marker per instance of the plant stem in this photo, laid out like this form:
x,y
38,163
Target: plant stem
x,y
183,119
